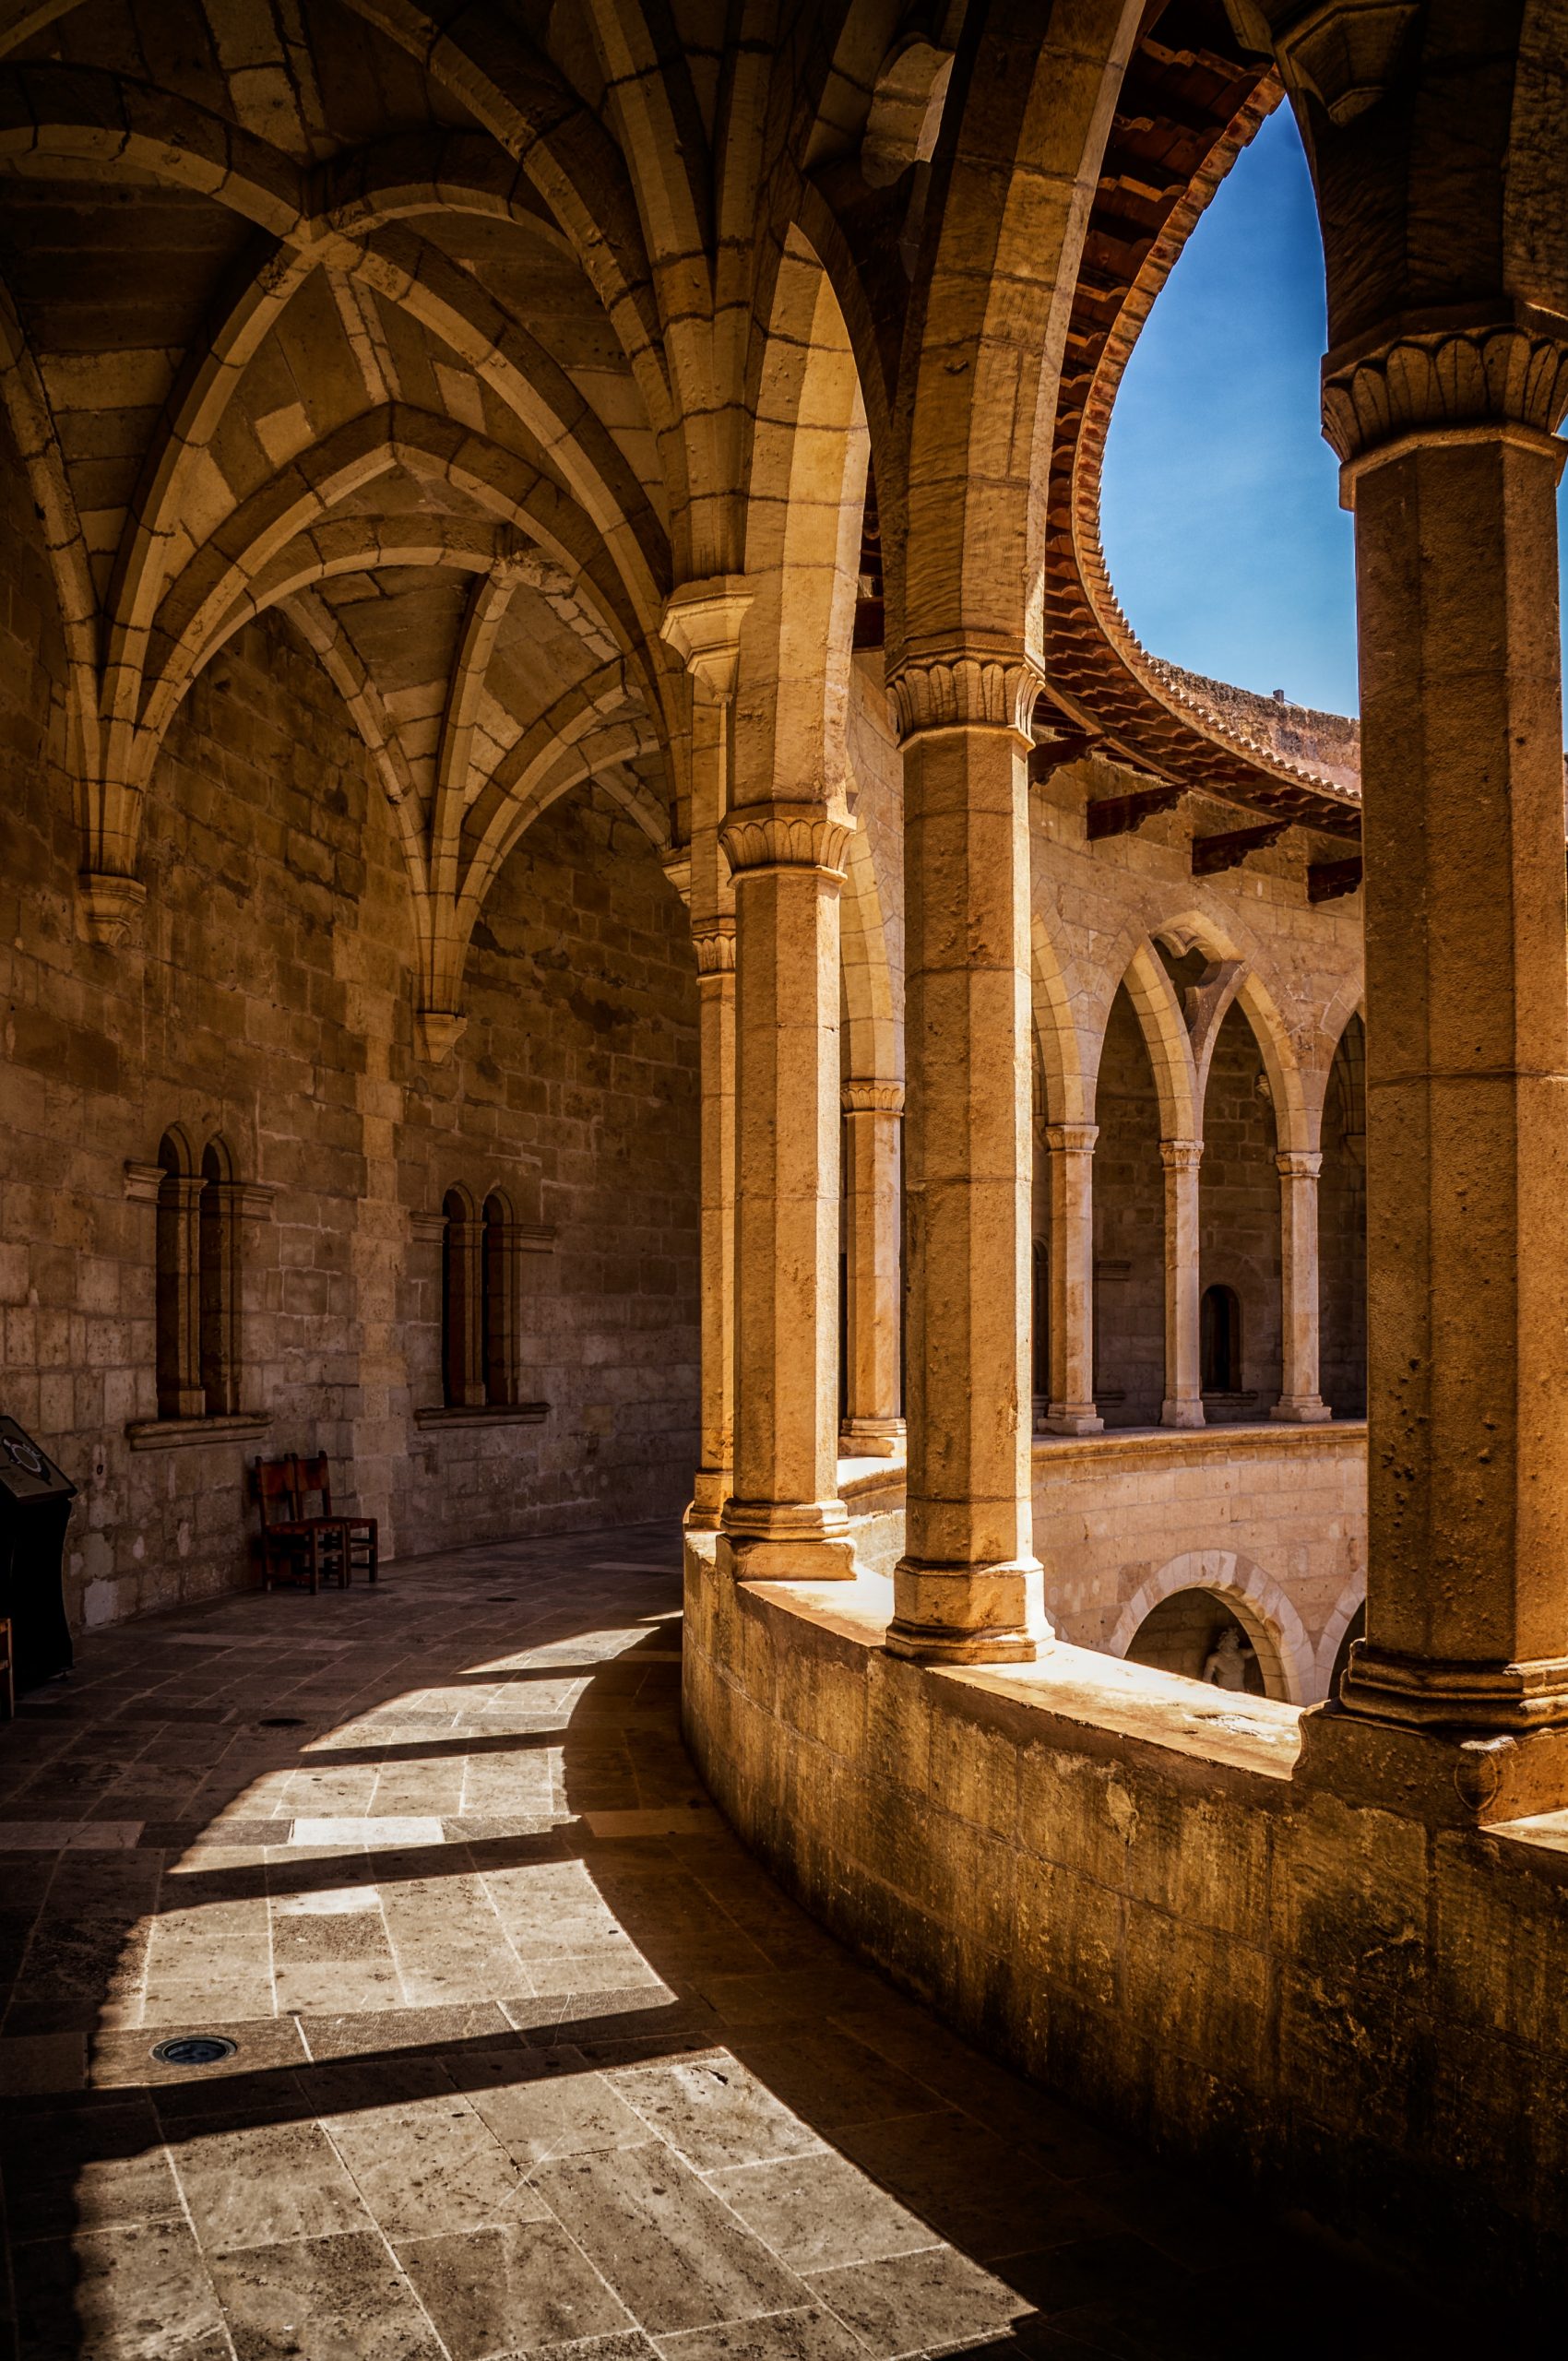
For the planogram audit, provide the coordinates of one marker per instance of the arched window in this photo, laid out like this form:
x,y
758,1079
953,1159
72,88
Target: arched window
x,y
180,1391
218,1281
462,1309
197,1296
500,1287
1219,1336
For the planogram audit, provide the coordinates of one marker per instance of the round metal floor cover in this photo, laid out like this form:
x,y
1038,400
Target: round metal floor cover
x,y
194,2050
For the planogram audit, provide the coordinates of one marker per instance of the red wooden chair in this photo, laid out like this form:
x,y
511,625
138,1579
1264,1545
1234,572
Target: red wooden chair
x,y
346,1544
288,1552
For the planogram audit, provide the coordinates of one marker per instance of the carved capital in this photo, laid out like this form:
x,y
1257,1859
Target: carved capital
x,y
143,1182
862,1095
965,692
1448,382
437,1032
677,866
1344,54
1299,1163
701,623
110,906
715,941
786,835
1181,1156
1070,1139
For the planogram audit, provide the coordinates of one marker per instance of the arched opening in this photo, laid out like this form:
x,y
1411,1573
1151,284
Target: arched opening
x,y
219,1259
1220,1340
1129,1228
1199,1634
177,1303
498,1275
1239,1240
462,1318
1342,1230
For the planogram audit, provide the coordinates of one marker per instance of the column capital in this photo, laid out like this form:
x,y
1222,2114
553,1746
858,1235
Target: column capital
x,y
1181,1156
763,836
701,623
1070,1139
971,688
1299,1163
861,1095
1439,379
715,942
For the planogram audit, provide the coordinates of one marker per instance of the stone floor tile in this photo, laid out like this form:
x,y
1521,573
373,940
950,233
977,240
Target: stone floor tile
x,y
820,2211
976,2190
432,2166
356,2033
913,2303
674,2253
71,2170
508,2290
714,2112
810,2333
268,2182
322,2299
138,2293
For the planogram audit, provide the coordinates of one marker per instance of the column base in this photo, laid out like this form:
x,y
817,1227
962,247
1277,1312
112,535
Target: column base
x,y
968,1614
1442,1778
710,1489
1070,1419
1480,1699
1301,1410
872,1438
787,1541
1181,1414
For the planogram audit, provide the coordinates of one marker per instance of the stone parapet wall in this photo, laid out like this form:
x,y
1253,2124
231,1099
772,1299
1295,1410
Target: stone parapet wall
x,y
1118,1883
1272,1513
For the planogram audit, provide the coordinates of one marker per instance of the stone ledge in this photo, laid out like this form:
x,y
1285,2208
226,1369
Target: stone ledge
x,y
179,1434
494,1414
1260,1436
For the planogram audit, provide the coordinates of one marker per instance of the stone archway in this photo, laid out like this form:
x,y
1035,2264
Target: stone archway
x,y
1285,1654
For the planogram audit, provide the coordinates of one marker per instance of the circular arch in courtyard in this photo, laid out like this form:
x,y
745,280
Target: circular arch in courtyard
x,y
1284,1655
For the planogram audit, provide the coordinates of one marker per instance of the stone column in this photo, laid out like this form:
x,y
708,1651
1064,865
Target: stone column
x,y
968,1588
701,623
715,941
1070,1153
1467,950
874,1423
1182,1406
1300,1401
783,1518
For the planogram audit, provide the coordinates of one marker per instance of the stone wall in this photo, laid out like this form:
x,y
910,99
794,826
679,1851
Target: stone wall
x,y
1128,1888
1238,1214
269,1000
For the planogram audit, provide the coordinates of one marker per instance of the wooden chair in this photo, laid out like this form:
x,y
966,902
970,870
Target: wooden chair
x,y
8,1670
290,1551
348,1544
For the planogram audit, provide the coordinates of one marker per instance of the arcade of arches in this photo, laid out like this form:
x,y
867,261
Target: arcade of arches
x,y
605,921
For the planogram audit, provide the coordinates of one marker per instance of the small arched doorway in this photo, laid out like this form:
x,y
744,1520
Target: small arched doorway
x,y
1199,1634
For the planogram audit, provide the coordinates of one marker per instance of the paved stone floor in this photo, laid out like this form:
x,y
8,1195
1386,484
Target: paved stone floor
x,y
529,2055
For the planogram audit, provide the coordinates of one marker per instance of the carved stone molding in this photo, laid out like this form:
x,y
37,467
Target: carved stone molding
x,y
677,866
437,1032
1504,373
1070,1139
1181,1156
965,692
1345,52
715,942
1299,1163
862,1095
110,906
143,1182
427,1229
786,835
701,623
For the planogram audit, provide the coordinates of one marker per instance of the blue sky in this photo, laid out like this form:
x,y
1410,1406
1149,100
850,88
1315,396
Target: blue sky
x,y
1222,527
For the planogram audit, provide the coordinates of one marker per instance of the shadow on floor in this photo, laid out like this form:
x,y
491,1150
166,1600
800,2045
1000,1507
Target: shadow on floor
x,y
529,2053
